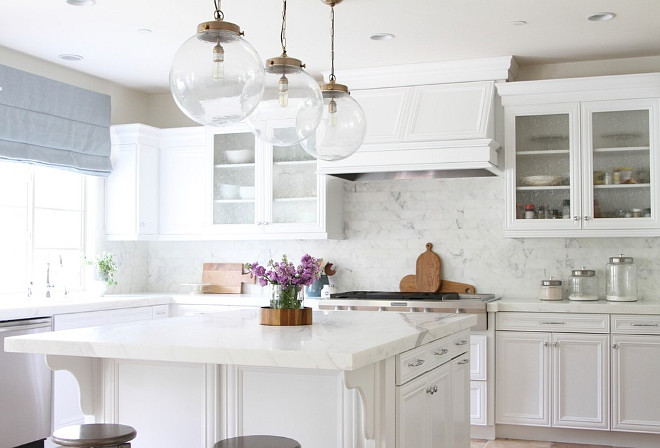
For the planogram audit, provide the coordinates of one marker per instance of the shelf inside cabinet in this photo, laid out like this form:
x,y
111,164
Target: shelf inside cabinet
x,y
621,186
234,165
233,201
301,199
550,187
545,152
624,149
295,163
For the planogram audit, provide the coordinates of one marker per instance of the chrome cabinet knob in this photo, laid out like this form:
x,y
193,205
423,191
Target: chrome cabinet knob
x,y
417,363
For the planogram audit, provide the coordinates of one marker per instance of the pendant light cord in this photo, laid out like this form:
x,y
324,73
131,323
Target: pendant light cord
x,y
218,14
283,31
332,77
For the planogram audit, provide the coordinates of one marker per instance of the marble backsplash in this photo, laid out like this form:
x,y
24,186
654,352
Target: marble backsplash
x,y
387,224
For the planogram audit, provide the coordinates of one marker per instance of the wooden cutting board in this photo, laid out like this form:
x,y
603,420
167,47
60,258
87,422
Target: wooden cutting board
x,y
224,278
409,284
427,274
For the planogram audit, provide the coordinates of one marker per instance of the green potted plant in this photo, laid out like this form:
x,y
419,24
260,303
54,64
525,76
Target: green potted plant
x,y
105,269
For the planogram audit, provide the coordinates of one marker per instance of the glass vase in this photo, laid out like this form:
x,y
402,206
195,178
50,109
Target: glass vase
x,y
287,297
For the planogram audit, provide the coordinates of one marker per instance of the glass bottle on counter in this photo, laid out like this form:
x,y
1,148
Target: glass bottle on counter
x,y
621,280
583,285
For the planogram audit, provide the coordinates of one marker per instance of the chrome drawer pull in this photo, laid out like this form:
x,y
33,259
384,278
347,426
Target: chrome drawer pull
x,y
550,322
462,362
418,363
444,351
643,325
461,342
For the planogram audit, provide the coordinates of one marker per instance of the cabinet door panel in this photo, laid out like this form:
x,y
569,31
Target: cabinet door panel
x,y
386,111
523,378
478,395
580,381
441,407
635,385
413,426
460,387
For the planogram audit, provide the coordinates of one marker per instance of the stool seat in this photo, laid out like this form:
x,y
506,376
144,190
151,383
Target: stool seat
x,y
93,435
257,442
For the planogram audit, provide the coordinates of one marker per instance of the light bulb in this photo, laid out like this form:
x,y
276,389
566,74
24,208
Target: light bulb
x,y
218,62
332,113
283,88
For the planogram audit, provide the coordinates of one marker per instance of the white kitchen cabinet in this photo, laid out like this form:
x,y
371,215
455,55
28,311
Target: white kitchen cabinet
x,y
635,373
433,395
66,394
182,171
131,190
479,378
552,379
259,191
581,158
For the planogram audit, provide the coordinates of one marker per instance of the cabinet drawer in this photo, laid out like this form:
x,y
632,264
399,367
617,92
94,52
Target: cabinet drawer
x,y
412,363
559,322
635,324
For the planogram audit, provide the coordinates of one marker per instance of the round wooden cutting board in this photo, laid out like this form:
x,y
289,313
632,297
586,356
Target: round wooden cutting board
x,y
427,275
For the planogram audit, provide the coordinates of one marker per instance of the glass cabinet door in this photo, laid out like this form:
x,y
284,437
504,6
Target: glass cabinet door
x,y
544,163
234,188
618,156
295,190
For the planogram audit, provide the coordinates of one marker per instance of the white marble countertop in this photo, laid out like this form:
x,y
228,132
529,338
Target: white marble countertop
x,y
534,305
336,340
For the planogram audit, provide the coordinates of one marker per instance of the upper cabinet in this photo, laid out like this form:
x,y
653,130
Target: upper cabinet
x,y
131,190
582,157
257,190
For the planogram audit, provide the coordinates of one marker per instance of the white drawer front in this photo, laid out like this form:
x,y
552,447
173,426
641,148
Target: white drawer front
x,y
557,322
635,324
411,364
440,352
460,343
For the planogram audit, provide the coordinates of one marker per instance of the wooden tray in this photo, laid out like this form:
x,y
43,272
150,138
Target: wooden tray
x,y
224,278
279,317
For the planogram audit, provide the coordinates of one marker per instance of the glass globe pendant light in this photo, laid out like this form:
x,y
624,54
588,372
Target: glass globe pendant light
x,y
217,76
344,125
291,107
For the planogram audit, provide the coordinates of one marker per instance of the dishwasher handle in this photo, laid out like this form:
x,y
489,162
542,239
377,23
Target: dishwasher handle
x,y
25,324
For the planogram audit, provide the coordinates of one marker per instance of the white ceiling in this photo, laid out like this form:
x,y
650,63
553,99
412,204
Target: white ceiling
x,y
107,35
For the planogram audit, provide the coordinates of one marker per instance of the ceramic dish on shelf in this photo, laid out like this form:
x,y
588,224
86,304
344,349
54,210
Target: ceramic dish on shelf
x,y
239,156
549,138
246,192
622,136
542,181
228,191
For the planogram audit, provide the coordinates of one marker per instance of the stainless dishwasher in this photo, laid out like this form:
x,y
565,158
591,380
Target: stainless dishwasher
x,y
25,388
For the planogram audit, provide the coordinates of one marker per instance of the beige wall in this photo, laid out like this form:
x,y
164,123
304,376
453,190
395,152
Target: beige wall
x,y
128,105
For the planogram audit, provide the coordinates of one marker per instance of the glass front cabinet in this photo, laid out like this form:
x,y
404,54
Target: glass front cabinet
x,y
587,168
261,191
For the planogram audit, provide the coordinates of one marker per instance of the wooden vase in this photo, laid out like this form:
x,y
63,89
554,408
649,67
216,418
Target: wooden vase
x,y
285,317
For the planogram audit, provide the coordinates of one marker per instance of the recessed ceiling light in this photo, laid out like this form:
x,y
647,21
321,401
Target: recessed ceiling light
x,y
601,16
81,2
382,36
144,31
518,23
70,57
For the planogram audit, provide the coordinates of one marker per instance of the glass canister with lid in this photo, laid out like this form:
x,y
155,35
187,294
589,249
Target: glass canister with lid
x,y
621,280
551,290
583,285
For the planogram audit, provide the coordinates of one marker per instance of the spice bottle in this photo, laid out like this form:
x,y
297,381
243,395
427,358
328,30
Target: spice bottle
x,y
583,285
621,280
530,211
551,290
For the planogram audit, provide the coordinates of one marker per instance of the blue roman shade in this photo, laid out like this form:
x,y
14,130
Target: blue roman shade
x,y
52,123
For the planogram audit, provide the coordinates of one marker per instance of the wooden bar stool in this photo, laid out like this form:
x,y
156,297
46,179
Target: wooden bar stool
x,y
257,442
95,435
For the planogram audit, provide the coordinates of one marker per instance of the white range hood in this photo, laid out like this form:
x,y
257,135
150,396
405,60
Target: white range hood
x,y
426,121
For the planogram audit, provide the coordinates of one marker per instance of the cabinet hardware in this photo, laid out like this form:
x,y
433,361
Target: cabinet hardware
x,y
463,361
461,342
546,344
550,322
615,345
643,325
435,388
555,344
417,363
429,390
586,218
441,352
576,218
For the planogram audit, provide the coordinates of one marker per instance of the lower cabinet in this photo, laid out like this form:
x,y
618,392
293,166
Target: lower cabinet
x,y
433,408
66,395
635,373
553,379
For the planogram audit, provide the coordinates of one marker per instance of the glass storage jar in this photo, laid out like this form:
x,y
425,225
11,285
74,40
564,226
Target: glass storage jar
x,y
551,290
583,285
621,280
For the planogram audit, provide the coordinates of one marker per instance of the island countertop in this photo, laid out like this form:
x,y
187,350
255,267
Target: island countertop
x,y
336,340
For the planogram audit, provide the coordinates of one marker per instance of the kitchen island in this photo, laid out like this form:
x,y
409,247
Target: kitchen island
x,y
343,381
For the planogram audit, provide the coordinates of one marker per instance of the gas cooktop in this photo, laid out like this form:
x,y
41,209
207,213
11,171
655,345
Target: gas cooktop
x,y
399,296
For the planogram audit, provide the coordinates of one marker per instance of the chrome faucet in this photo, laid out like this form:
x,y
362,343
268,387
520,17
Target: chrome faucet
x,y
48,284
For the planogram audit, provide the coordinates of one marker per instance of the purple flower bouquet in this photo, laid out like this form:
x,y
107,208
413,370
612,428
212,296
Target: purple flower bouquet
x,y
287,279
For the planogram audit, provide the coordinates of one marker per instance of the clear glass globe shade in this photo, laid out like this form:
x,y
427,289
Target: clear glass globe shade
x,y
342,128
287,119
215,93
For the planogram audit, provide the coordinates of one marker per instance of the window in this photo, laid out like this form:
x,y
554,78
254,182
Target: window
x,y
44,228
